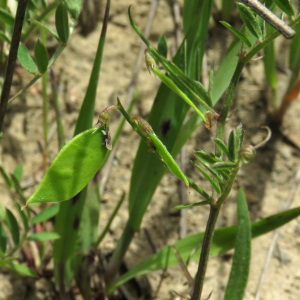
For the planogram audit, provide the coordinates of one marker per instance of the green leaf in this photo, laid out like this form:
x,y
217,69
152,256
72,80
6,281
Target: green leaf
x,y
18,172
250,21
45,214
3,239
42,25
73,168
231,140
223,240
162,46
18,188
170,84
223,165
285,6
237,33
41,57
43,236
22,270
8,182
2,214
184,206
62,22
7,261
238,278
74,7
294,57
214,184
23,217
4,38
26,60
13,226
6,17
222,145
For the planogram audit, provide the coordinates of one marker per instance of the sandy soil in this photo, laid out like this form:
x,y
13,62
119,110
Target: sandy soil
x,y
267,181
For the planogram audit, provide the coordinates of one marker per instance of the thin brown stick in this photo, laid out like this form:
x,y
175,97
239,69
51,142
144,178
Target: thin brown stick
x,y
11,62
275,237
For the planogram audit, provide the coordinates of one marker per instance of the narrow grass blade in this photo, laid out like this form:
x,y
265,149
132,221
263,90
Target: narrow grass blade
x,y
238,278
8,182
18,188
224,166
106,229
23,217
13,226
43,236
4,38
236,33
45,214
3,239
223,240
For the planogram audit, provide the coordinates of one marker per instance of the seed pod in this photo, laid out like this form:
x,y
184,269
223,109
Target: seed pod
x,y
167,158
150,61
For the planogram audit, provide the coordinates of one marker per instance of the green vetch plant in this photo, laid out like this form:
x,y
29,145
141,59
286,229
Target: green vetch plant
x,y
72,179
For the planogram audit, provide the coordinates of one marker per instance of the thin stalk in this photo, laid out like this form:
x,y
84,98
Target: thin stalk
x,y
37,77
39,18
13,52
60,130
45,108
208,236
110,221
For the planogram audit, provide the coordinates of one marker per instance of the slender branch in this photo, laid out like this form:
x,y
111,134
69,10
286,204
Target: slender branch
x,y
13,52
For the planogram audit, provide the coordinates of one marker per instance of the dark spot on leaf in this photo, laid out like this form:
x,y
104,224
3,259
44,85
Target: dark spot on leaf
x,y
76,223
165,127
76,198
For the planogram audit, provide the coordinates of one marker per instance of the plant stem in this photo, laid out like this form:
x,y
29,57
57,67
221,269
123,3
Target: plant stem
x,y
208,236
227,104
13,52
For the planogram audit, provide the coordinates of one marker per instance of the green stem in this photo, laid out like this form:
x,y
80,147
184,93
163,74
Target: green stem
x,y
39,18
37,77
60,130
227,104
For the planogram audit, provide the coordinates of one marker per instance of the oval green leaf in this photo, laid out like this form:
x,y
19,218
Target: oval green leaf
x,y
250,21
285,6
41,57
43,236
13,226
45,214
73,168
242,254
22,270
236,33
62,22
26,60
